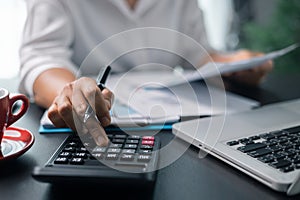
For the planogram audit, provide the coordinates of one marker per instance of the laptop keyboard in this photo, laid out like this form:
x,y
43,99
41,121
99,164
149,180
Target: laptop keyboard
x,y
279,149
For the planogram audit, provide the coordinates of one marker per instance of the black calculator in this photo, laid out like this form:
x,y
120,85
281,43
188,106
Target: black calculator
x,y
127,160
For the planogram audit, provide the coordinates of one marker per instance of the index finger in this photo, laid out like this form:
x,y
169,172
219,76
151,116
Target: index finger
x,y
95,99
95,129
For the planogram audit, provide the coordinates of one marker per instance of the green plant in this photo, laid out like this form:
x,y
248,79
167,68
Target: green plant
x,y
283,30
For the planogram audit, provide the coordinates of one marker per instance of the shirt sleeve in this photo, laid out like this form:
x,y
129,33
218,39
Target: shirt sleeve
x,y
47,37
194,27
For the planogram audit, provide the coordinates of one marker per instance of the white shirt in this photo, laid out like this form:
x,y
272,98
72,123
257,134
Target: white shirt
x,y
65,33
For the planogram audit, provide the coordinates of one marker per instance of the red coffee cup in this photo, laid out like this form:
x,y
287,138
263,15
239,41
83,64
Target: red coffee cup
x,y
7,116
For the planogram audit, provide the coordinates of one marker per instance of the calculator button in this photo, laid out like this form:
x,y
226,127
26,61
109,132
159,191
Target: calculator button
x,y
144,158
69,149
113,150
148,142
151,138
71,144
128,151
134,137
65,154
132,141
118,141
87,144
61,160
146,147
99,149
112,156
120,136
80,155
82,150
130,146
97,156
77,161
112,145
145,152
127,157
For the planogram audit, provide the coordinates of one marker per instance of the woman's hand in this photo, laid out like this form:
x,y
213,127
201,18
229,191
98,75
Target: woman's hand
x,y
253,76
69,109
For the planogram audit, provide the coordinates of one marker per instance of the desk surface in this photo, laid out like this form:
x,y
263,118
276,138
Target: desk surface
x,y
187,178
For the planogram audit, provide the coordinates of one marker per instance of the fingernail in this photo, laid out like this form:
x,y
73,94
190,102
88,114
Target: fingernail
x,y
105,121
102,141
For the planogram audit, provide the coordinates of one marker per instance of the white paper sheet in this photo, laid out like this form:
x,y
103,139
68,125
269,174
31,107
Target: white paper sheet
x,y
184,100
214,68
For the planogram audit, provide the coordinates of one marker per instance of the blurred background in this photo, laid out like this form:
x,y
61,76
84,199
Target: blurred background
x,y
259,25
12,18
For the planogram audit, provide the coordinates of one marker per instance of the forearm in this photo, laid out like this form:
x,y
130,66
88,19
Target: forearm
x,y
49,84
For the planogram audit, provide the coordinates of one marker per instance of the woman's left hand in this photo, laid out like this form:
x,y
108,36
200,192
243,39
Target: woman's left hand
x,y
253,76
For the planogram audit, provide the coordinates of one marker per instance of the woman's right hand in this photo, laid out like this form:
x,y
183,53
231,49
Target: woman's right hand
x,y
69,109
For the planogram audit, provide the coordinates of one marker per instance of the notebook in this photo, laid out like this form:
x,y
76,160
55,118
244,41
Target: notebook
x,y
264,142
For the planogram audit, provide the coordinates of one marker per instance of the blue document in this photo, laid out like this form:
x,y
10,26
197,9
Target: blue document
x,y
156,127
127,120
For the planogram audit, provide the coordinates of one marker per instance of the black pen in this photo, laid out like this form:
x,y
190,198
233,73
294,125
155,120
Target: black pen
x,y
101,79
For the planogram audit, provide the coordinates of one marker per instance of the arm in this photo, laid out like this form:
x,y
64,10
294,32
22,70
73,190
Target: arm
x,y
47,72
45,93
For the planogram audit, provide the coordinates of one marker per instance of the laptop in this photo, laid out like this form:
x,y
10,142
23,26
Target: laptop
x,y
263,143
